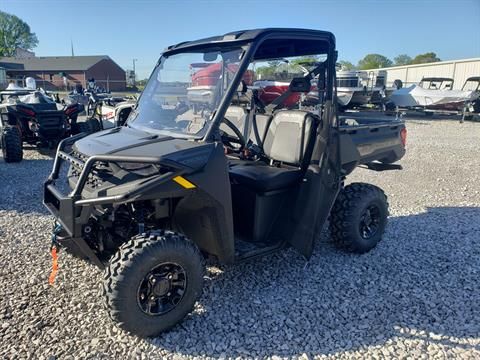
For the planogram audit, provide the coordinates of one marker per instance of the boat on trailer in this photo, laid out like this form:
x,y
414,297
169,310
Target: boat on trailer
x,y
433,93
356,88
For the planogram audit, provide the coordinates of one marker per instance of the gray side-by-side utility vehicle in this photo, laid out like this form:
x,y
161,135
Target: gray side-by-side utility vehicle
x,y
204,168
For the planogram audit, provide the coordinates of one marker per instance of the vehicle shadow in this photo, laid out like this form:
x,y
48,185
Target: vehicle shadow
x,y
420,284
21,187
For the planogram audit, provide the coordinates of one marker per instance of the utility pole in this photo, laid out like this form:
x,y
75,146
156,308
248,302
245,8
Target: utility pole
x,y
134,73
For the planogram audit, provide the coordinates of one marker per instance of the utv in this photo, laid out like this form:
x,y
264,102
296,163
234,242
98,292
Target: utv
x,y
33,117
110,112
222,175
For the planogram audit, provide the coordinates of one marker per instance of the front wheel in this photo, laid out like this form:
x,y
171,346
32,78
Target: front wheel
x,y
153,281
359,217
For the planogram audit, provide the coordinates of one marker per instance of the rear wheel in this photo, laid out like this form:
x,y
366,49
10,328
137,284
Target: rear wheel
x,y
359,217
153,281
12,147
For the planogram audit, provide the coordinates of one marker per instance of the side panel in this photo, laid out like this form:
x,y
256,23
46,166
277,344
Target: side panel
x,y
205,216
364,144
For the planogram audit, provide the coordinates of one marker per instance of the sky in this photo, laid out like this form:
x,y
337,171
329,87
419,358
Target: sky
x,y
141,29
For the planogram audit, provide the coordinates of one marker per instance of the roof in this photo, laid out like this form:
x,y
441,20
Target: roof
x,y
446,62
51,63
432,78
249,35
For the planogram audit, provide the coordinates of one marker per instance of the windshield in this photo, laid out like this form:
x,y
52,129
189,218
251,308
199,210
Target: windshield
x,y
184,91
437,84
471,85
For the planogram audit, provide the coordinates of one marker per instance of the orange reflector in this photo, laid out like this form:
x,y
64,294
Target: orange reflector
x,y
184,182
51,278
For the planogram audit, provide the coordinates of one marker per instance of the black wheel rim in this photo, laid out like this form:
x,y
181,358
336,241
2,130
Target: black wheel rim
x,y
370,222
162,289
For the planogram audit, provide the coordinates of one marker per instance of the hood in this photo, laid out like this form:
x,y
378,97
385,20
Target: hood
x,y
131,142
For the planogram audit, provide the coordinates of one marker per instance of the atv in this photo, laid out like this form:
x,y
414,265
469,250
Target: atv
x,y
33,117
222,175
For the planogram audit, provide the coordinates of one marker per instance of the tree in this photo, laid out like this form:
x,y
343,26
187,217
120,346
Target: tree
x,y
265,72
15,33
273,63
425,58
346,65
402,59
283,70
305,60
374,61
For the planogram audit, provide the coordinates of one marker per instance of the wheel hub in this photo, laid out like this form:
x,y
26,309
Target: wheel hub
x,y
162,289
369,222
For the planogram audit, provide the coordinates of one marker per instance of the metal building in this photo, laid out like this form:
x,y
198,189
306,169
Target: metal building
x,y
458,70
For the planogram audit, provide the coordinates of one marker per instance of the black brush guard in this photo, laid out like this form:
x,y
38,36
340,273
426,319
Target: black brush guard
x,y
72,211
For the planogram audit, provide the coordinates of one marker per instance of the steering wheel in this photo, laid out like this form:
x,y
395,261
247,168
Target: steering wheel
x,y
228,140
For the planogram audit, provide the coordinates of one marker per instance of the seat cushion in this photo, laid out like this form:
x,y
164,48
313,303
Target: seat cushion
x,y
262,178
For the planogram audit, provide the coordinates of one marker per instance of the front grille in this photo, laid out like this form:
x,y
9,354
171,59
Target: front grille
x,y
79,156
99,172
93,181
55,118
51,124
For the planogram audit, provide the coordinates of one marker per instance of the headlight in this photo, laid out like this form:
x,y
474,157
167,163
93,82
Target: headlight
x,y
139,169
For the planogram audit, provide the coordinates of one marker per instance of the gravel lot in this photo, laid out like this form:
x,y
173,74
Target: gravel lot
x,y
417,294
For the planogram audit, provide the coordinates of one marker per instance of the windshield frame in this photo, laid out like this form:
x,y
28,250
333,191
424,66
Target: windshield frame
x,y
250,47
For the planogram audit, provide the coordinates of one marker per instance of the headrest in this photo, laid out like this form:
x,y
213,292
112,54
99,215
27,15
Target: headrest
x,y
243,95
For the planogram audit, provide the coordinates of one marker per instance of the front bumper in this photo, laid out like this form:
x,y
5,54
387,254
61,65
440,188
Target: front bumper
x,y
50,125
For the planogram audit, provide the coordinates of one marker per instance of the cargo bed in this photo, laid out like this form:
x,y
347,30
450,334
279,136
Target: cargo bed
x,y
364,140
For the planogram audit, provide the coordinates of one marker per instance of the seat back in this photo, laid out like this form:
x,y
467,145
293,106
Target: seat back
x,y
288,135
238,116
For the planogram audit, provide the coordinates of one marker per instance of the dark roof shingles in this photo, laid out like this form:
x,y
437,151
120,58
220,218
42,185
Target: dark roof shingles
x,y
51,63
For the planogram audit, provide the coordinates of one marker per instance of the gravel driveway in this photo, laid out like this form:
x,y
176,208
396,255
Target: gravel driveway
x,y
416,294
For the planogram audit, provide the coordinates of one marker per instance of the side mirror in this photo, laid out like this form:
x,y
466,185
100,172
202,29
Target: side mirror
x,y
210,56
300,85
